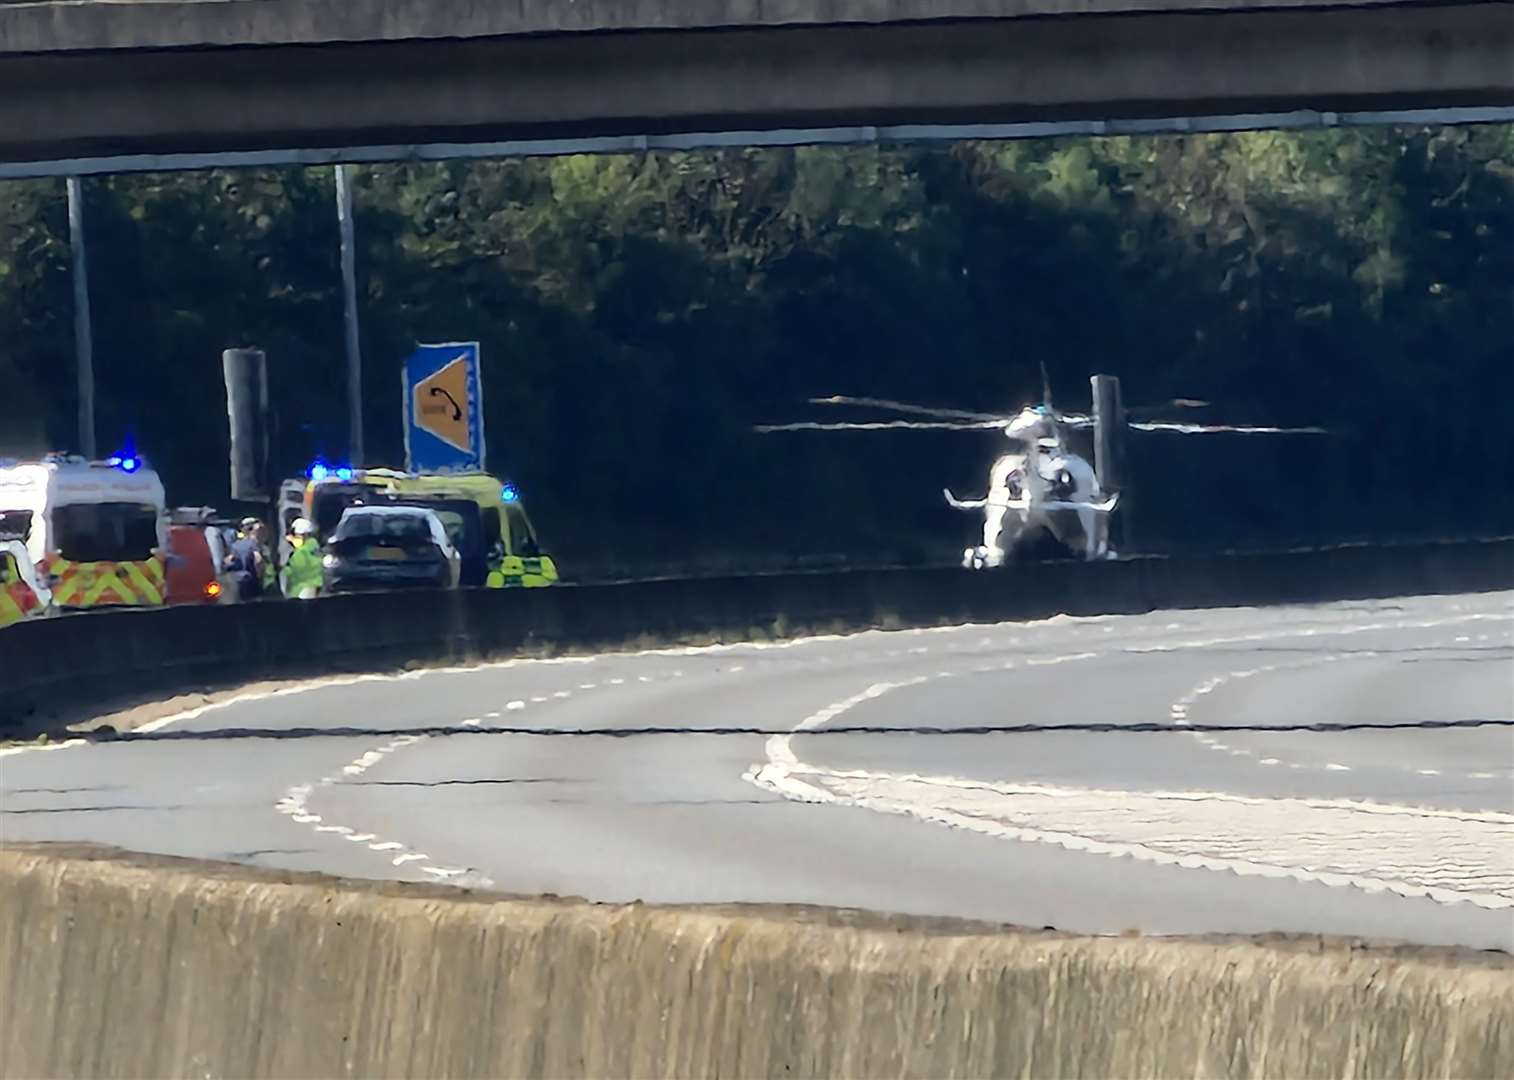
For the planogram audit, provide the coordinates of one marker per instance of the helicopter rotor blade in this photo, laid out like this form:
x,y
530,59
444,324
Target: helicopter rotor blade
x,y
907,408
881,425
1177,428
1153,412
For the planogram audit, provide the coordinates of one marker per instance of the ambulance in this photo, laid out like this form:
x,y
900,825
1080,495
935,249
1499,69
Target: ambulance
x,y
96,530
510,555
22,594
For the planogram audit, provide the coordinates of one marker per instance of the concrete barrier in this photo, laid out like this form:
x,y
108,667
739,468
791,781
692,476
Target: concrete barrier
x,y
96,659
115,965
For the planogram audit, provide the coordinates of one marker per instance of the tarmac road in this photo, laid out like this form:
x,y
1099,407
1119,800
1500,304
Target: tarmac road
x,y
1347,768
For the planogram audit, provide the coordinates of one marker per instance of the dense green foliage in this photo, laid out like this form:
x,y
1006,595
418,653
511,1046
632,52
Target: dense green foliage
x,y
637,314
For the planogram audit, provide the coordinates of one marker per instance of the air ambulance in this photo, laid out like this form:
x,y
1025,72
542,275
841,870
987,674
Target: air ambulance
x,y
96,530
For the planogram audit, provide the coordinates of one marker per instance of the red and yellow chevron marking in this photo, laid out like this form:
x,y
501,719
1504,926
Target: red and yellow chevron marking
x,y
107,584
17,601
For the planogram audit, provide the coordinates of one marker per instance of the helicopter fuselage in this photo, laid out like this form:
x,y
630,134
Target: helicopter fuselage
x,y
1039,486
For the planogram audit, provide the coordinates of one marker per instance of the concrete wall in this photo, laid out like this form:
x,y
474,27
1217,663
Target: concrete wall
x,y
128,967
763,71
74,26
134,652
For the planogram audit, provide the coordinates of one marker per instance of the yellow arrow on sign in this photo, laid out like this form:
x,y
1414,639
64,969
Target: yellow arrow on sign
x,y
441,404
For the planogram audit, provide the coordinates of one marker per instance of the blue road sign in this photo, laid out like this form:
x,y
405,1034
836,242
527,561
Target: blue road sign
x,y
444,409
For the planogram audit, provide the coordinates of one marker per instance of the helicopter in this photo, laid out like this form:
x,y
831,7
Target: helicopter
x,y
1040,490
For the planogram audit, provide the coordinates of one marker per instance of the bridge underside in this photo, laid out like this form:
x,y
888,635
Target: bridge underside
x,y
112,104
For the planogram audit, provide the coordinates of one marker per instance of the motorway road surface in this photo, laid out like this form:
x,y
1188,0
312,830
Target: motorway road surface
x,y
1346,768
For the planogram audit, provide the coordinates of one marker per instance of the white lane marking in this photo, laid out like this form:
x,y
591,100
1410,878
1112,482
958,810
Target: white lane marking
x,y
1265,836
1074,622
1179,710
495,715
294,802
587,686
513,706
563,694
1370,846
34,747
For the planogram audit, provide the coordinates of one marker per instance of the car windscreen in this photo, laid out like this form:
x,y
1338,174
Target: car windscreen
x,y
328,501
388,530
105,532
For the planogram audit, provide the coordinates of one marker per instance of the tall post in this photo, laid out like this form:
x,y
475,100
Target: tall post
x,y
1108,432
84,351
349,302
1109,453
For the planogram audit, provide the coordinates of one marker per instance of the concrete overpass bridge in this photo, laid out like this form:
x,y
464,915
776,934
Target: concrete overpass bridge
x,y
108,86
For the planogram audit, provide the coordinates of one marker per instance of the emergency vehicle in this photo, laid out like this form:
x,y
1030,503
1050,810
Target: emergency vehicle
x,y
514,555
22,594
197,549
96,530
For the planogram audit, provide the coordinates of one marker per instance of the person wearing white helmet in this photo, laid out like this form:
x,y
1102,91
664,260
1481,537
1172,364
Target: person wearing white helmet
x,y
301,577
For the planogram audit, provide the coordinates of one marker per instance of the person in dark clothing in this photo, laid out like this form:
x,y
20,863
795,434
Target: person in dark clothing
x,y
245,563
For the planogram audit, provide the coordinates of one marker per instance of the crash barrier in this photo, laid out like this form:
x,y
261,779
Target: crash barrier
x,y
119,965
99,657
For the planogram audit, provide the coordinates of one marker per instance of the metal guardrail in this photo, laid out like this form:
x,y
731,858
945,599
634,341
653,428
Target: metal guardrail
x,y
91,662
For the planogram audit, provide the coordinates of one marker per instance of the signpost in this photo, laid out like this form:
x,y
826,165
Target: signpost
x,y
444,409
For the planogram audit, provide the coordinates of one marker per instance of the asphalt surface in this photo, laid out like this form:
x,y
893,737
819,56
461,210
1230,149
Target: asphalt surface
x,y
1346,768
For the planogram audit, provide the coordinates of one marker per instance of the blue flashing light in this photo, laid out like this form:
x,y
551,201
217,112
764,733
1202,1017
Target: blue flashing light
x,y
509,494
113,462
130,464
344,473
317,471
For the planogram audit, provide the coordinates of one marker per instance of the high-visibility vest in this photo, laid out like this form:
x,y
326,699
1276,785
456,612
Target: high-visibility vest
x,y
303,570
515,572
139,583
269,576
